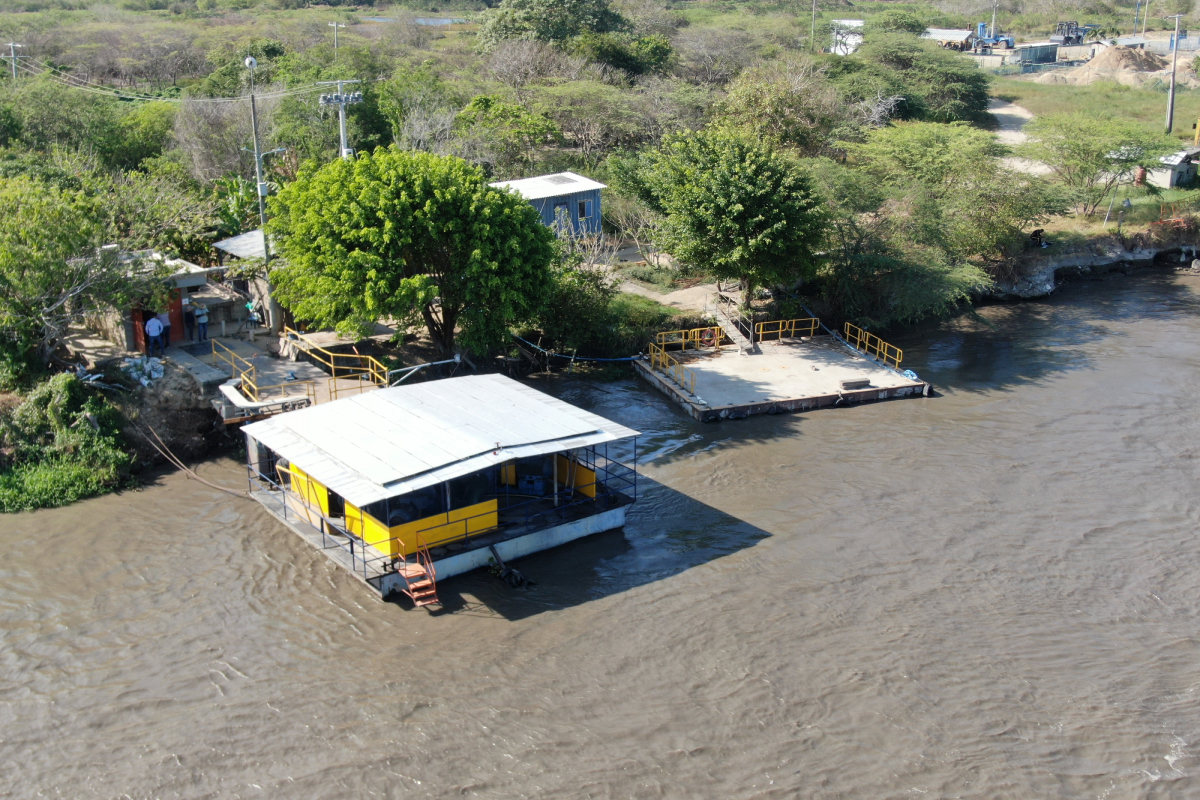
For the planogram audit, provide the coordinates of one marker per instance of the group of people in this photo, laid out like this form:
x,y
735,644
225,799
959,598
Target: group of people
x,y
158,327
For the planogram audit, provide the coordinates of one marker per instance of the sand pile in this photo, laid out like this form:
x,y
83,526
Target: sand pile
x,y
1128,58
1124,65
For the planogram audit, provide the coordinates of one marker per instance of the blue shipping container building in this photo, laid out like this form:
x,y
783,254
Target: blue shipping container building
x,y
573,197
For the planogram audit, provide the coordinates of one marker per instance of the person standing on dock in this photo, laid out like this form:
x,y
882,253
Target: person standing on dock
x,y
202,322
189,320
165,319
154,332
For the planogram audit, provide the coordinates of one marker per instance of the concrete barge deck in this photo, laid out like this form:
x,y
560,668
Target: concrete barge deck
x,y
786,375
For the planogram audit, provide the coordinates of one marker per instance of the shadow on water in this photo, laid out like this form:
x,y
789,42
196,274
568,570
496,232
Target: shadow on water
x,y
1006,346
666,532
667,432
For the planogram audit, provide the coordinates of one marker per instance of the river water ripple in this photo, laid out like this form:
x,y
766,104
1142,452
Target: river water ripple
x,y
991,593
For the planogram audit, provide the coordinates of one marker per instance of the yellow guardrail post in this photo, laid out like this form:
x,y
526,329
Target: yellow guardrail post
x,y
872,345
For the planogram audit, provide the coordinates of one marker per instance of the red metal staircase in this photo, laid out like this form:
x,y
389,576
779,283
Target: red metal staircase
x,y
420,577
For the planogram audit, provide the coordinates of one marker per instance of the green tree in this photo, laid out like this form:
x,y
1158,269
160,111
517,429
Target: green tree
x,y
787,103
412,236
978,207
505,133
1091,153
51,271
886,260
594,116
548,20
949,87
731,206
895,22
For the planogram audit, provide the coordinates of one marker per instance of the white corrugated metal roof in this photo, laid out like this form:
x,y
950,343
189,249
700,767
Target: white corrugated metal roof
x,y
1175,159
947,34
393,441
550,185
244,245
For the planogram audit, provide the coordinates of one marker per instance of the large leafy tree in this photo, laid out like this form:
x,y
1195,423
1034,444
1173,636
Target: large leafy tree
x,y
787,103
410,235
729,205
945,86
52,272
1092,154
548,20
974,206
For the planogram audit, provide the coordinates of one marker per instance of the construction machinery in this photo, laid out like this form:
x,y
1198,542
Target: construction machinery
x,y
986,39
1070,33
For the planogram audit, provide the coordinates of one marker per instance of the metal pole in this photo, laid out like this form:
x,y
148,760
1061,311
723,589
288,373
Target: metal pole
x,y
12,53
1145,19
335,26
342,123
813,33
1174,61
1136,10
995,4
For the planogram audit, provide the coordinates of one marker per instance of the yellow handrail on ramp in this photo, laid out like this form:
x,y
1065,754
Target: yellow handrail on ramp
x,y
344,366
872,345
694,337
662,361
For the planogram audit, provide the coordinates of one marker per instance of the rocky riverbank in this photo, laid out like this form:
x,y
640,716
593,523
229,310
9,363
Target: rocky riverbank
x,y
1039,275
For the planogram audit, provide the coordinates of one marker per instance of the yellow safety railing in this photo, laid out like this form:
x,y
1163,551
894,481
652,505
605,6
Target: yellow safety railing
x,y
245,372
368,372
694,338
872,345
662,361
780,328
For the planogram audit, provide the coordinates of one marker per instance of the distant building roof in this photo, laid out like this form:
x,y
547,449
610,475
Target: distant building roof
x,y
244,245
947,34
1175,159
1037,44
1131,41
848,23
550,185
388,442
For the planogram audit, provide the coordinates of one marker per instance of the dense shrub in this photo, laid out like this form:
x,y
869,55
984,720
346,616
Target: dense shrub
x,y
64,445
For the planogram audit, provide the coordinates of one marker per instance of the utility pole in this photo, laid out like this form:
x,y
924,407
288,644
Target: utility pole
x,y
1145,19
335,26
995,5
341,100
274,309
1174,61
12,53
813,34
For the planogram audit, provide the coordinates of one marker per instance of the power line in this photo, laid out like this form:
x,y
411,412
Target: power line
x,y
74,82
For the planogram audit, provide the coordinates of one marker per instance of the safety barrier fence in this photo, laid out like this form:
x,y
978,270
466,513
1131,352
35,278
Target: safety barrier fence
x,y
695,338
872,345
517,513
349,372
791,328
247,374
669,366
728,306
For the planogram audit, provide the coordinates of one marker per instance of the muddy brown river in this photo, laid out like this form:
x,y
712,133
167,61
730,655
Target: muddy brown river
x,y
991,593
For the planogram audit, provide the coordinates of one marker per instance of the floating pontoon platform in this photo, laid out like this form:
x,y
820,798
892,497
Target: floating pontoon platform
x,y
790,374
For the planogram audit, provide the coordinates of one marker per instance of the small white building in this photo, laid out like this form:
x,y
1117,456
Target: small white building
x,y
1178,168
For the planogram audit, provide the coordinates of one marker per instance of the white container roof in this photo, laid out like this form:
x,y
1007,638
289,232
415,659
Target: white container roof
x,y
544,186
245,245
947,34
389,442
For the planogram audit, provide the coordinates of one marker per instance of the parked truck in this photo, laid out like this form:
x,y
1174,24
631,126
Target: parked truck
x,y
986,39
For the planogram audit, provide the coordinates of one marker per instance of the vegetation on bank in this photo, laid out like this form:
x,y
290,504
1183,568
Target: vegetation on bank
x,y
866,187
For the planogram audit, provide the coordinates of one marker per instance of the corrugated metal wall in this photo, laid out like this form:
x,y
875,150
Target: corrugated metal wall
x,y
587,224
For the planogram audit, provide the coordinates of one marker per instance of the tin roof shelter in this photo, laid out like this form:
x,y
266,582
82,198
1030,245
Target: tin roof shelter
x,y
420,481
566,195
950,38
